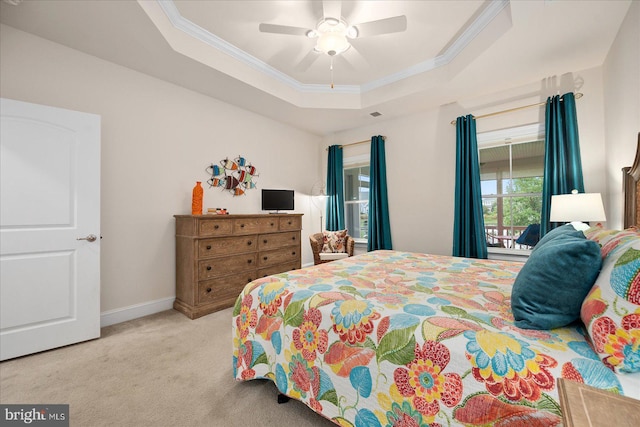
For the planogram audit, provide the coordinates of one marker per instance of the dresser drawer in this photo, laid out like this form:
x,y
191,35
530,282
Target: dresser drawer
x,y
226,246
216,267
278,240
290,223
214,227
224,289
268,225
255,225
276,269
278,256
246,225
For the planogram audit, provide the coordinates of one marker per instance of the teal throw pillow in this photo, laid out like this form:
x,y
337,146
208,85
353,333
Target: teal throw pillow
x,y
551,286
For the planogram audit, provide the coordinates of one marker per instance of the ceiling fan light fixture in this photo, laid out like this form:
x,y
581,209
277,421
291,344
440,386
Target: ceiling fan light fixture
x,y
331,21
332,36
312,34
332,43
331,25
352,32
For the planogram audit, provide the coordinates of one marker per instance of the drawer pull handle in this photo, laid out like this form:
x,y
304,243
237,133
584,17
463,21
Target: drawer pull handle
x,y
241,225
249,261
208,247
249,243
271,224
293,253
289,223
208,267
215,227
264,241
265,258
208,290
293,238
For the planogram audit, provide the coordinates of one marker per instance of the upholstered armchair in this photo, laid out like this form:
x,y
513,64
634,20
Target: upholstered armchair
x,y
317,241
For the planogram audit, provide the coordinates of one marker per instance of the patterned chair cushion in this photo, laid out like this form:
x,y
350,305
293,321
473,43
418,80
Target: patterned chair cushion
x,y
611,311
334,241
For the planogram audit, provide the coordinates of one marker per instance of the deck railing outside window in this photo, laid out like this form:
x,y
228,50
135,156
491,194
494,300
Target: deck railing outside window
x,y
502,237
511,180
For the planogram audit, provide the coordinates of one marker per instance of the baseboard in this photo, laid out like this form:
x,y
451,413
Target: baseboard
x,y
120,315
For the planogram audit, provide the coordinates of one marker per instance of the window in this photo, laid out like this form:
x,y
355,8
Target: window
x,y
356,200
511,181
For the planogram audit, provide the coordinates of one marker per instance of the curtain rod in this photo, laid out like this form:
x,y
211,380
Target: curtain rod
x,y
453,122
354,143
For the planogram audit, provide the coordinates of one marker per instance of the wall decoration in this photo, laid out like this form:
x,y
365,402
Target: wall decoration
x,y
235,176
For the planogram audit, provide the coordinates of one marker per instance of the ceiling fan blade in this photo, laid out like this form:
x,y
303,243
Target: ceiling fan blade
x,y
395,24
354,59
332,9
282,29
307,61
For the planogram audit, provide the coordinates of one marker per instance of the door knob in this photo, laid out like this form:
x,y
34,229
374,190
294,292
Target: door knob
x,y
90,238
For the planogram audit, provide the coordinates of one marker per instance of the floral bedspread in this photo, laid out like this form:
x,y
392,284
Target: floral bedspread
x,y
393,338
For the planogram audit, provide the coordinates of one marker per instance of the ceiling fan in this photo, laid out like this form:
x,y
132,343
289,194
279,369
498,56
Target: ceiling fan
x,y
333,33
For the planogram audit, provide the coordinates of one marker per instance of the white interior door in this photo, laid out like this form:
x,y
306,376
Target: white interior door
x,y
49,198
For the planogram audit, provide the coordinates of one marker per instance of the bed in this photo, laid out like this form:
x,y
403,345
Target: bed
x,y
391,338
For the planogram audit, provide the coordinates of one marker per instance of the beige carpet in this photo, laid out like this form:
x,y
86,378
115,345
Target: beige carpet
x,y
160,370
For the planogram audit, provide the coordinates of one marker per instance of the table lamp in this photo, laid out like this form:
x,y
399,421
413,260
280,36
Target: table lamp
x,y
577,208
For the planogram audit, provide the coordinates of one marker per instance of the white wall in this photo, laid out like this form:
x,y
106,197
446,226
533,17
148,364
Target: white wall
x,y
157,140
622,108
420,152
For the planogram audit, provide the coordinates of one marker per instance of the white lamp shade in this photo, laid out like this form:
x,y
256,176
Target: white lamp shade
x,y
577,207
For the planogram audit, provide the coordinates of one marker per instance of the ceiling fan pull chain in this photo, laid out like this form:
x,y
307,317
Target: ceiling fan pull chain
x,y
331,68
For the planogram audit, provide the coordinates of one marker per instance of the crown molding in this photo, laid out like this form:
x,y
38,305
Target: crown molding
x,y
194,30
493,9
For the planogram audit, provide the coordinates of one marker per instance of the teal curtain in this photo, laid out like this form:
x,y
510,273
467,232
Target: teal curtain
x,y
379,226
335,190
562,164
469,238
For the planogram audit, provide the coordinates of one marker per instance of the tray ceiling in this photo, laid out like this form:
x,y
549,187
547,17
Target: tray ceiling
x,y
451,50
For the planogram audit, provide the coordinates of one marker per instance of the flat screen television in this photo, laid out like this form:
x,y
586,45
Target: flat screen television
x,y
277,200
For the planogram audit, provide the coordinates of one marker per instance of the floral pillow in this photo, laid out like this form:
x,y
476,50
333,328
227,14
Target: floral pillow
x,y
611,310
610,239
599,234
334,241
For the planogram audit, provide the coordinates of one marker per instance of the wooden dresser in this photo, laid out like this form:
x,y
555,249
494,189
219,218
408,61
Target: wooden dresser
x,y
217,255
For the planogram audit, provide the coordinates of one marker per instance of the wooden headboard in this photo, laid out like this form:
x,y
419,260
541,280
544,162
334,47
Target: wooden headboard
x,y
631,183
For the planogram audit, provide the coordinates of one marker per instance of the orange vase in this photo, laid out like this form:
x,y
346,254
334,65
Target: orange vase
x,y
196,199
